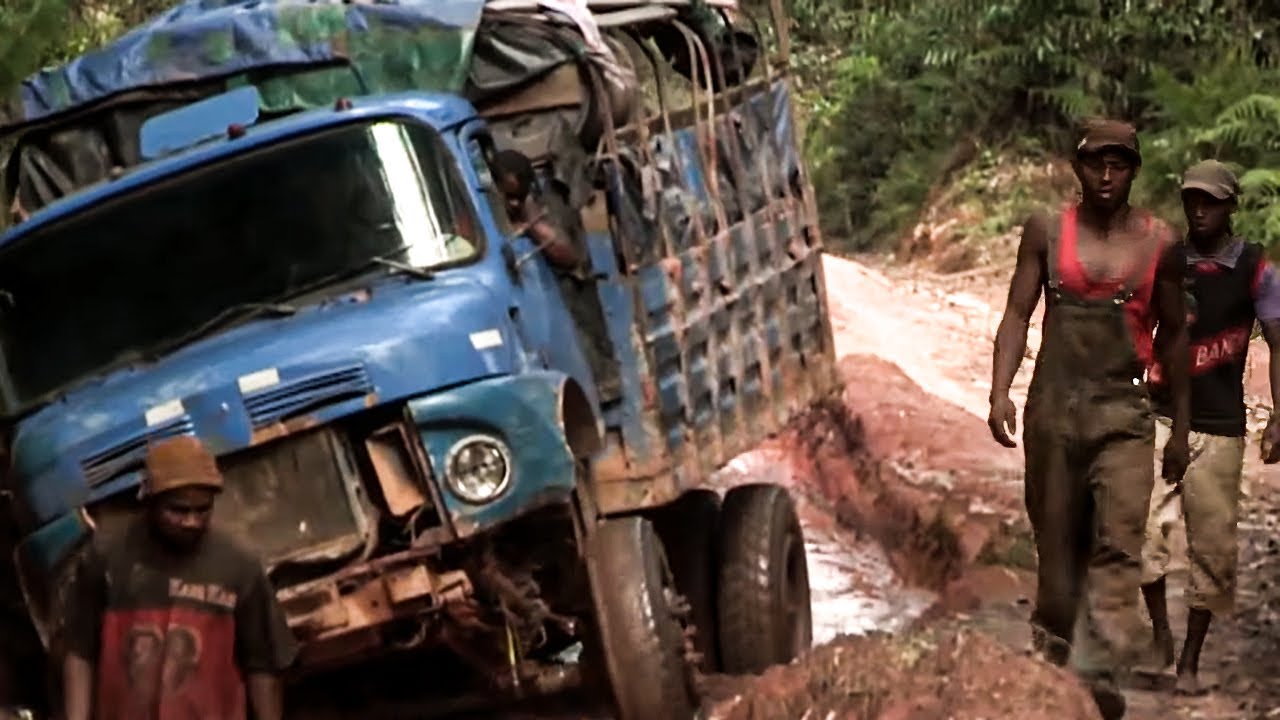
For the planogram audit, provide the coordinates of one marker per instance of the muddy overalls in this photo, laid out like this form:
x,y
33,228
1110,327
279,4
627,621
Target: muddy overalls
x,y
1089,442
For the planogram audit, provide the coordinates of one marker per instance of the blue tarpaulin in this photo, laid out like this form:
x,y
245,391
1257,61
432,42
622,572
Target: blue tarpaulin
x,y
392,43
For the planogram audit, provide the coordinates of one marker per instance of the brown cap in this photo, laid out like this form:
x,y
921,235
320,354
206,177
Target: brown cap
x,y
1101,134
179,462
1212,177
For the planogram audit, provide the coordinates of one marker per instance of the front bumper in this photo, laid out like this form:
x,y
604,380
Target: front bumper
x,y
342,617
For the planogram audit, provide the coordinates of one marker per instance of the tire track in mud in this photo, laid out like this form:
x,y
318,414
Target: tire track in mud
x,y
941,339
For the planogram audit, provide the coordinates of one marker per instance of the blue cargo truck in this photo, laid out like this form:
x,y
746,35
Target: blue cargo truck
x,y
274,225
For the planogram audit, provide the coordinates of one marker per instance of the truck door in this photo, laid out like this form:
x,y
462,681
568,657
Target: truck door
x,y
537,305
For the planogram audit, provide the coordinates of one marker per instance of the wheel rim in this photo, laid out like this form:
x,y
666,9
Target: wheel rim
x,y
674,600
795,597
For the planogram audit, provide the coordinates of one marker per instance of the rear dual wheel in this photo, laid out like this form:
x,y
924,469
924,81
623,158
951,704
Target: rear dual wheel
x,y
742,568
739,569
765,616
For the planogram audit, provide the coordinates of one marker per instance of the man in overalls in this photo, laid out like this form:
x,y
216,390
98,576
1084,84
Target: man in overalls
x,y
1112,277
1232,286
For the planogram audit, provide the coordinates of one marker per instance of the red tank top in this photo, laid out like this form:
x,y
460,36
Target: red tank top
x,y
1074,280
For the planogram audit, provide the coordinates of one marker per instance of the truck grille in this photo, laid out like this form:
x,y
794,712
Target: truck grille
x,y
129,455
295,499
294,397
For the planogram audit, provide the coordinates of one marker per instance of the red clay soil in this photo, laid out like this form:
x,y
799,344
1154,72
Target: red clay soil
x,y
921,476
934,675
924,478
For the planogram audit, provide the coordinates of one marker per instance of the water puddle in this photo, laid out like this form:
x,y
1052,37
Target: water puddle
x,y
854,589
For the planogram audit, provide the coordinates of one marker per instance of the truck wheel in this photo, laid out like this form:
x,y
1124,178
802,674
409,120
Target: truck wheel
x,y
765,617
690,532
640,633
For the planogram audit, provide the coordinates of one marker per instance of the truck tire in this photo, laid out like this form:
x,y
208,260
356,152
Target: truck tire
x,y
765,616
690,532
640,633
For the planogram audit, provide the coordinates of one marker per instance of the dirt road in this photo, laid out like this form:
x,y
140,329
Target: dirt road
x,y
920,557
905,463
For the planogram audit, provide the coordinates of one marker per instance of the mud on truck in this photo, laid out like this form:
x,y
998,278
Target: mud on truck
x,y
274,225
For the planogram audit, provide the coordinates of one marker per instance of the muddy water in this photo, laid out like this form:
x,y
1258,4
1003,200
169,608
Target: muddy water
x,y
854,588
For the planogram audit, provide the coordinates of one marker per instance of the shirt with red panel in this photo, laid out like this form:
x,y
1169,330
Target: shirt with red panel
x,y
172,636
1227,292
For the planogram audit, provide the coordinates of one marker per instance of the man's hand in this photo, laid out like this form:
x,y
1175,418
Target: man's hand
x,y
1003,420
266,696
1271,441
77,680
1177,456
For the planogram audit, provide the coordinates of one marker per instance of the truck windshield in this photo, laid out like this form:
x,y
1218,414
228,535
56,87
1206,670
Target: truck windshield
x,y
121,281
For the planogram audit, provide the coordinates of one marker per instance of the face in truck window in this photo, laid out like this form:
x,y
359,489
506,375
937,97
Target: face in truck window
x,y
125,280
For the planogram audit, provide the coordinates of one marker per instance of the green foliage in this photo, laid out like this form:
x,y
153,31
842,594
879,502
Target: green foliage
x,y
36,33
30,32
898,89
1228,114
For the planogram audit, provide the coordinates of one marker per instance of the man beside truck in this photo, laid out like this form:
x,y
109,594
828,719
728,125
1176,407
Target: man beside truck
x,y
170,620
1112,276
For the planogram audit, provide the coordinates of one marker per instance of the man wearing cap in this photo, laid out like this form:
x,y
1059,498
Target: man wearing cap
x,y
1112,278
170,620
1231,285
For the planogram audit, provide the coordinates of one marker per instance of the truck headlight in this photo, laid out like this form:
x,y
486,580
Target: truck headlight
x,y
478,468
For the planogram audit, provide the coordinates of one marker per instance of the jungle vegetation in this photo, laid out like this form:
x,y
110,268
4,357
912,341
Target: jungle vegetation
x,y
901,97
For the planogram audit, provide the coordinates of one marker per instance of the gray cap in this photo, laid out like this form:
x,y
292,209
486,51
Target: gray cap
x,y
1212,177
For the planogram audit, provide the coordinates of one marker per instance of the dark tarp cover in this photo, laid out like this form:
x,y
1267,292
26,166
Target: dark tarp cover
x,y
79,122
393,43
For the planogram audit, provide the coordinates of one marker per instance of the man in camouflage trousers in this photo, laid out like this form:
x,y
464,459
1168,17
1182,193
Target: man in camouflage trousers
x,y
1231,284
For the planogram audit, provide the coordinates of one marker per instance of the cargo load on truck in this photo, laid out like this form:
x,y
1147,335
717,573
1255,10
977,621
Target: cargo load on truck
x,y
663,138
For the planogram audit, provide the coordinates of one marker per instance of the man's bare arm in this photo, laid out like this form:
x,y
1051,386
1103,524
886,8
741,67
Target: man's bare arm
x,y
1024,294
77,687
1171,340
1011,337
1271,437
1271,333
266,696
558,251
1171,348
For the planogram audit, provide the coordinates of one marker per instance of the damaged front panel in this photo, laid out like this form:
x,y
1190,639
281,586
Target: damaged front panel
x,y
344,616
297,500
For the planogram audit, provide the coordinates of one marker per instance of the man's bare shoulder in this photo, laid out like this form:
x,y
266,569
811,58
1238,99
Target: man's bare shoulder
x,y
1036,230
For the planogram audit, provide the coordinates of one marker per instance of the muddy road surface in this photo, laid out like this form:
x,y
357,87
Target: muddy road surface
x,y
920,558
905,461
